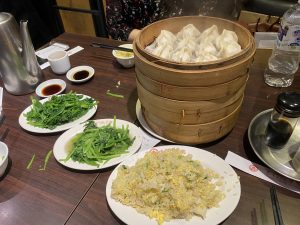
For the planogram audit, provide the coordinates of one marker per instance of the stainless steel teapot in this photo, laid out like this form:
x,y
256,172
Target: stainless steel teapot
x,y
19,69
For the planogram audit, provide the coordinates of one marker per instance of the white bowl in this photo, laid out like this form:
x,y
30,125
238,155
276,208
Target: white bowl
x,y
72,72
125,61
3,157
53,83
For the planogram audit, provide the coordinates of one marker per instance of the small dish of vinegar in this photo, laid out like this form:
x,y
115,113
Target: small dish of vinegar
x,y
50,87
80,74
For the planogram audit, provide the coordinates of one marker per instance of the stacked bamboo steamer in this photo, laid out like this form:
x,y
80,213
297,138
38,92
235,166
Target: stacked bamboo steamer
x,y
191,103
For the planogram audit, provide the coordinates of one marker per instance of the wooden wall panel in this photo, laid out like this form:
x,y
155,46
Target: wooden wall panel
x,y
76,22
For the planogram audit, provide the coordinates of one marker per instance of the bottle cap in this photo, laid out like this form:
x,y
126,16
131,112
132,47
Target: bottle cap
x,y
289,104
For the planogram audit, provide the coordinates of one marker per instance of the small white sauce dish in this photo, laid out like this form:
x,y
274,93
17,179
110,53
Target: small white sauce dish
x,y
3,157
50,87
126,59
80,74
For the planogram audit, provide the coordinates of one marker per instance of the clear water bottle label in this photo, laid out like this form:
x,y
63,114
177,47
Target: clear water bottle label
x,y
289,38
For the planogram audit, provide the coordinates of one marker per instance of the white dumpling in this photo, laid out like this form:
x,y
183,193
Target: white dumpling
x,y
162,44
209,34
182,55
227,36
150,48
207,48
157,50
205,57
165,37
187,42
227,43
229,49
166,52
189,31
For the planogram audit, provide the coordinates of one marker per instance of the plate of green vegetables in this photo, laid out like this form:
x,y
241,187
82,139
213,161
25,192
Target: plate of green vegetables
x,y
97,144
57,113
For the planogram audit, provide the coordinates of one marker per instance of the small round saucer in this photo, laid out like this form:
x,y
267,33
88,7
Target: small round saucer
x,y
80,74
50,87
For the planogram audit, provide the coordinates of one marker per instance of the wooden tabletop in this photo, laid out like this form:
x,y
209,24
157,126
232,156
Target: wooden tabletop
x,y
61,196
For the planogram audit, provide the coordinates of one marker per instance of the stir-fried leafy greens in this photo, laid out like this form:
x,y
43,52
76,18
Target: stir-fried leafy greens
x,y
61,109
96,145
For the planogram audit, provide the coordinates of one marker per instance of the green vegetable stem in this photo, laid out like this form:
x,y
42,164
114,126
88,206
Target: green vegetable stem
x,y
108,92
30,162
96,145
46,160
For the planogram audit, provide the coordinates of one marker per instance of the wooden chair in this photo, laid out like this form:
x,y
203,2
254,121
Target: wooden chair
x,y
83,17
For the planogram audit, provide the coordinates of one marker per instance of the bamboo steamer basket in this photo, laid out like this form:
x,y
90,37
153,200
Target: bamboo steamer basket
x,y
191,93
192,134
191,103
189,112
175,24
195,77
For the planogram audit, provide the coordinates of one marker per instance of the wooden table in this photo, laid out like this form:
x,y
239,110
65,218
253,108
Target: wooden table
x,y
61,196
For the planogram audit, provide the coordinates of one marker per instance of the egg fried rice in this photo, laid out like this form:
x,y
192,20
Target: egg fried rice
x,y
167,185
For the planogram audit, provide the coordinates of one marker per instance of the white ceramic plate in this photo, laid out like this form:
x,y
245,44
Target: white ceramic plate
x,y
141,119
3,157
231,188
39,89
76,69
23,120
60,151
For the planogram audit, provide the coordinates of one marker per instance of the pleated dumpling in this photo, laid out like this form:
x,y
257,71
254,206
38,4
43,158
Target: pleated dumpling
x,y
163,51
163,44
189,31
227,43
209,35
207,48
205,57
187,42
165,37
150,48
182,55
227,36
229,49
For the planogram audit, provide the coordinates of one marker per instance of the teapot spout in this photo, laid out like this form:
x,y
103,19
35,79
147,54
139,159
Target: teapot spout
x,y
28,53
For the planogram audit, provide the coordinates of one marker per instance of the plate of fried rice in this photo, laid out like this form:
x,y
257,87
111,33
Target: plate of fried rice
x,y
173,184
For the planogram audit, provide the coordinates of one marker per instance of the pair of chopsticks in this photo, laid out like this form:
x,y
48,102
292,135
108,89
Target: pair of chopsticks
x,y
275,206
100,45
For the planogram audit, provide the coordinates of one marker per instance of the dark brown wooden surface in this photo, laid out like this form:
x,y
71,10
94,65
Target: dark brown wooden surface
x,y
58,195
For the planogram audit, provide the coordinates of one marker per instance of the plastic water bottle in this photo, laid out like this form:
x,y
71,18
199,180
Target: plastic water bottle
x,y
284,61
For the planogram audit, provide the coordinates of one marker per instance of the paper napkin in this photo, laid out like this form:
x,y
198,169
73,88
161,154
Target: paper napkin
x,y
261,172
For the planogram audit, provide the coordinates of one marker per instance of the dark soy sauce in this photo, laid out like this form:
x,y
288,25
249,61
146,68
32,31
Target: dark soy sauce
x,y
278,133
80,75
51,89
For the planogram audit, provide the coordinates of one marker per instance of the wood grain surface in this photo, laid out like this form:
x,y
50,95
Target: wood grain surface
x,y
62,196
